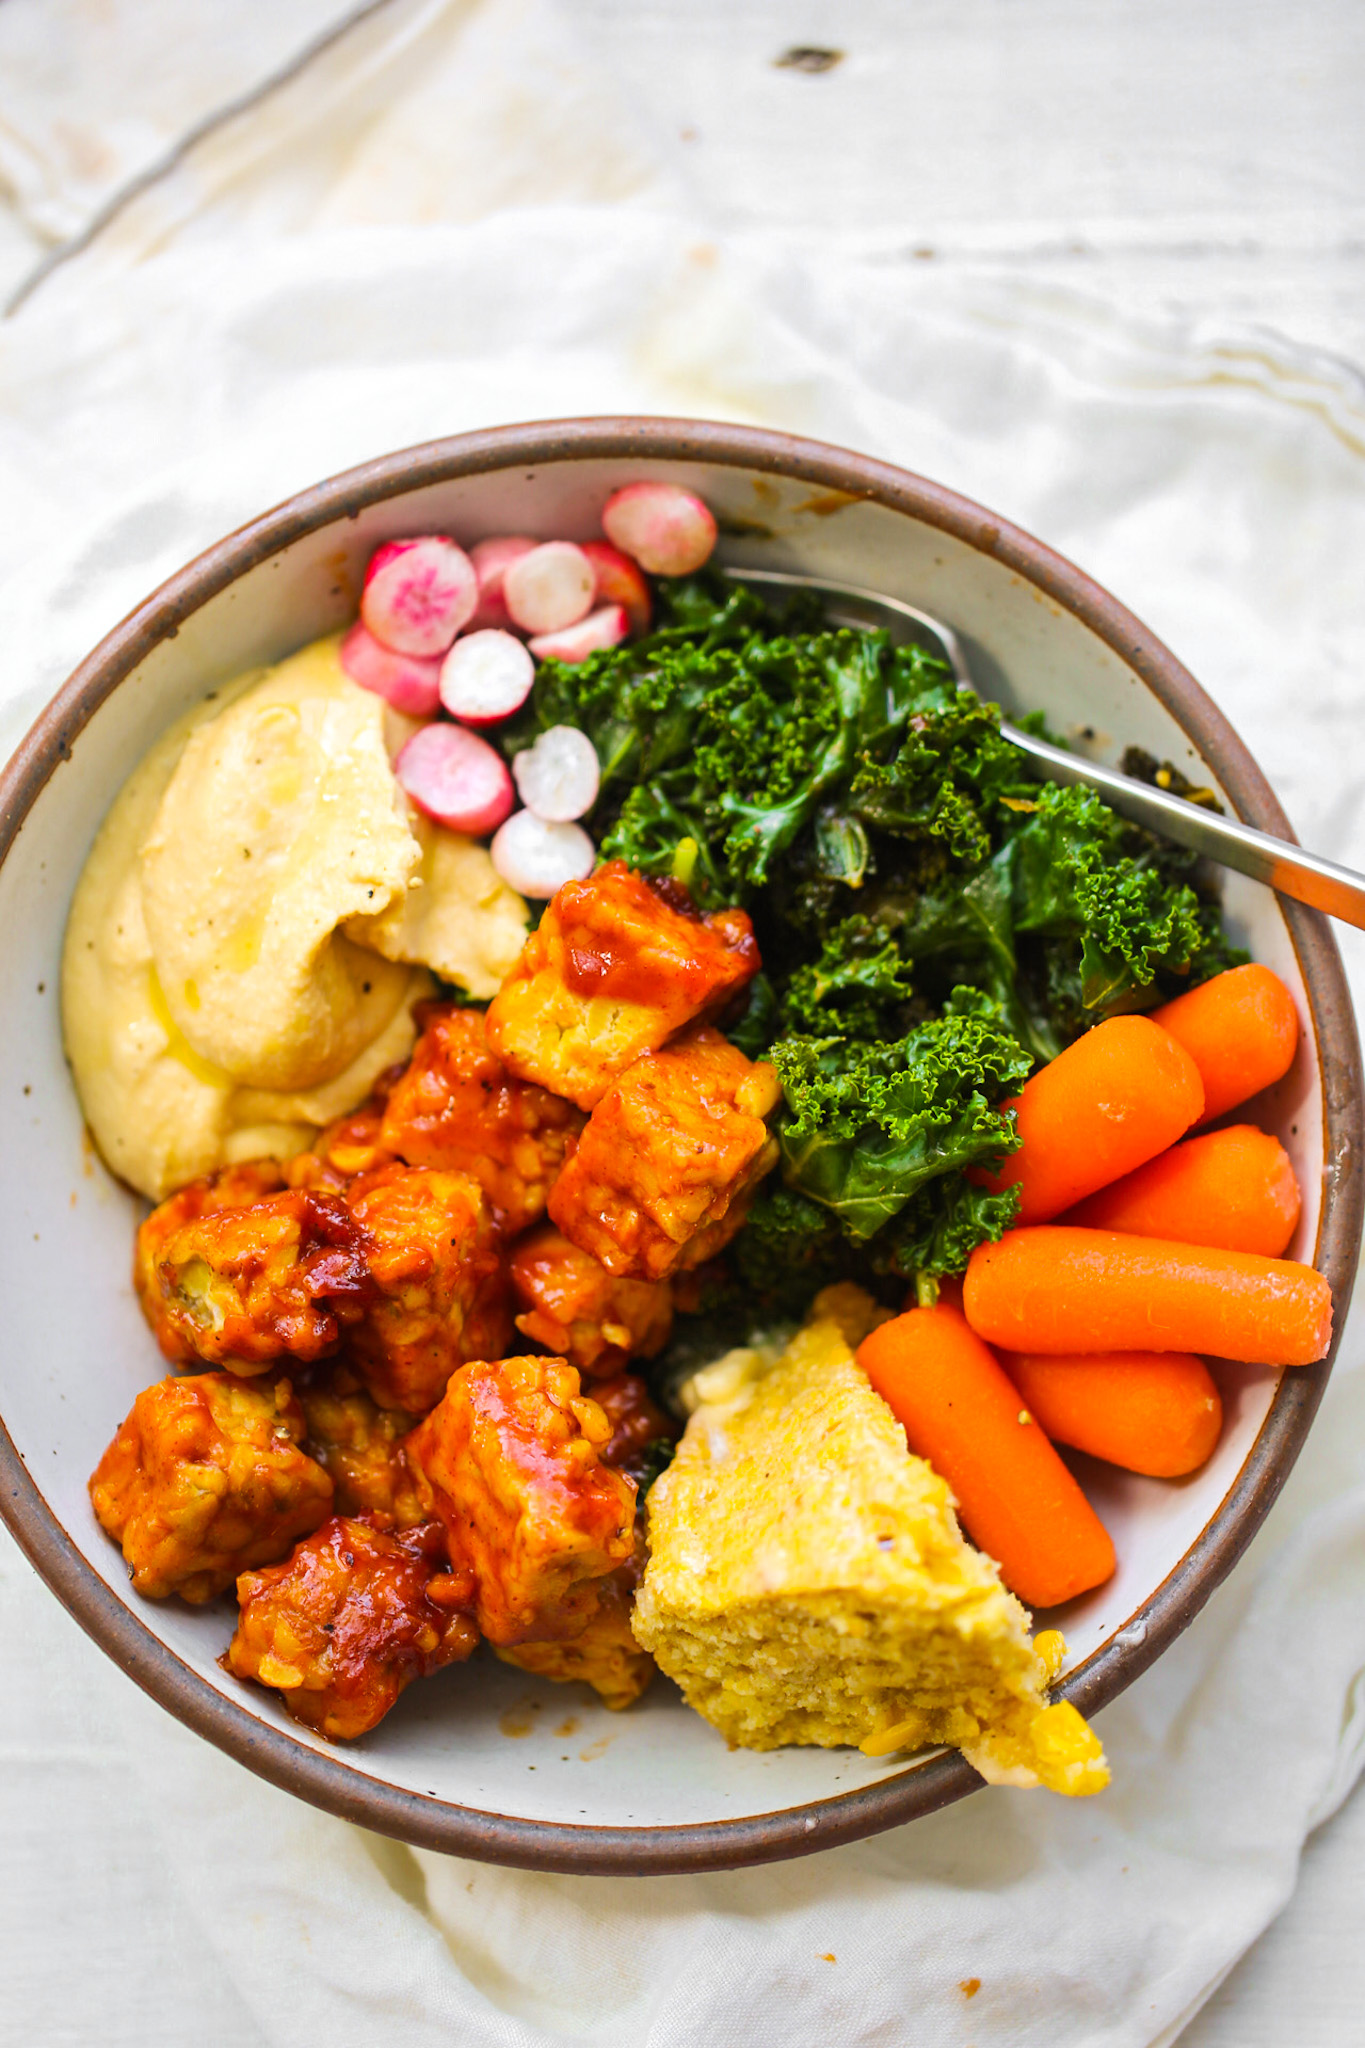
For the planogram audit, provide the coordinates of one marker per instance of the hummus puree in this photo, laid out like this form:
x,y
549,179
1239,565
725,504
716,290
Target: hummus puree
x,y
253,923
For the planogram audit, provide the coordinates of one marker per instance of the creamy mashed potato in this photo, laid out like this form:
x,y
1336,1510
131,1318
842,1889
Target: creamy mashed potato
x,y
251,928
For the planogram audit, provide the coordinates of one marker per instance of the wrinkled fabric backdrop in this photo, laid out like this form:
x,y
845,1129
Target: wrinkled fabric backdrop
x,y
1033,256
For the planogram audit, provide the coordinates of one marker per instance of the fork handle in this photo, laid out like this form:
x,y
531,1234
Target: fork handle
x,y
1304,876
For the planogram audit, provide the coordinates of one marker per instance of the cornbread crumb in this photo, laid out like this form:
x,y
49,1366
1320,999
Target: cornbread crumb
x,y
808,1582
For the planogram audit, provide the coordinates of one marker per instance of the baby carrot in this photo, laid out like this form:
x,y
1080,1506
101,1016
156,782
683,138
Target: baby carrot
x,y
1234,1188
1149,1411
1109,1103
1018,1501
1241,1030
1058,1289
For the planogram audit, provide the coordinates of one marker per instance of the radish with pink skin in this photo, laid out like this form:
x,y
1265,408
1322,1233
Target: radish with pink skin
x,y
536,858
418,594
619,581
549,588
607,628
456,778
557,778
406,681
486,677
491,559
668,530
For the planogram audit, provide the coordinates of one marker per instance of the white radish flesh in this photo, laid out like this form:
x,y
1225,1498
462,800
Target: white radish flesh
x,y
418,594
557,778
406,681
492,558
536,858
549,588
607,628
456,778
668,530
620,581
486,677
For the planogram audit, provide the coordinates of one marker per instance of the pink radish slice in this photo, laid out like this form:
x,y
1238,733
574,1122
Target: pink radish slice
x,y
619,581
606,628
550,588
486,677
491,559
408,683
536,858
557,778
418,594
667,529
456,778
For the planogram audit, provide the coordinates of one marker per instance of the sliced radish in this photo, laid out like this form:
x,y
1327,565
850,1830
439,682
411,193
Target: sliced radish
x,y
549,588
619,581
557,778
486,677
418,594
667,529
456,778
607,628
536,858
491,559
406,681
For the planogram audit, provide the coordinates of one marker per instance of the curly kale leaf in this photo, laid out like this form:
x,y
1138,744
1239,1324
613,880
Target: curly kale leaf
x,y
855,989
727,729
941,1226
786,725
948,780
789,1248
1080,873
868,1125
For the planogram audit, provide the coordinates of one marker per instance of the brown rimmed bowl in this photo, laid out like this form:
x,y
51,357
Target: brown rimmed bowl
x,y
484,1761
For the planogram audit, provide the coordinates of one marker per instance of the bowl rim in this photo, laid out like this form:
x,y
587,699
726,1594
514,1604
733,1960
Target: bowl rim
x,y
423,1819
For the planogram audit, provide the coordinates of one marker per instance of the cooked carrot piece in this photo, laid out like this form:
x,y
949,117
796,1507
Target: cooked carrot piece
x,y
1241,1030
1106,1105
1149,1411
960,1411
1058,1289
1233,1188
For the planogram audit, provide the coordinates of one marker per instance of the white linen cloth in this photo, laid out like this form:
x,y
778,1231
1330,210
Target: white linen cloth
x,y
269,314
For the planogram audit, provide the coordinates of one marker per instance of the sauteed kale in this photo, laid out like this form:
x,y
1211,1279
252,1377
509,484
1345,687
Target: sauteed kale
x,y
933,922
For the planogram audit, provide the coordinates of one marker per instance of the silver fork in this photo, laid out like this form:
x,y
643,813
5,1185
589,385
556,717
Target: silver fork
x,y
1304,876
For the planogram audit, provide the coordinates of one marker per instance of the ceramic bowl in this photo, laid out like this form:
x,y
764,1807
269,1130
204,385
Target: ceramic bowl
x,y
484,1760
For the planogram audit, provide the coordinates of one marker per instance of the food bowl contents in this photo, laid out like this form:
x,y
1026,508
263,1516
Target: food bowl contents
x,y
613,969
418,594
861,1616
557,775
1157,1412
620,581
1234,1187
485,678
607,628
455,778
537,858
206,1478
357,1612
409,682
492,558
550,588
961,1412
666,530
248,935
710,1274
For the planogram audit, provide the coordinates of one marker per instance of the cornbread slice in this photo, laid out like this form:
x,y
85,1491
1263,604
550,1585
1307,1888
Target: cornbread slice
x,y
808,1582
